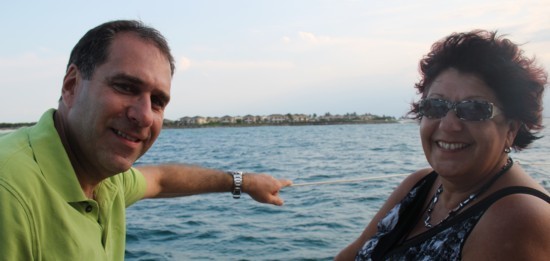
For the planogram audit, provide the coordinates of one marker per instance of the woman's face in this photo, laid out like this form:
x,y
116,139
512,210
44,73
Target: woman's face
x,y
456,147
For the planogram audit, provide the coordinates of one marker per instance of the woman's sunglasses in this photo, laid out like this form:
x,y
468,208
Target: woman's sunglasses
x,y
469,110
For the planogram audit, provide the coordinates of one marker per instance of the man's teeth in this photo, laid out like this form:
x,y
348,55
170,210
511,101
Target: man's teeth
x,y
123,135
451,146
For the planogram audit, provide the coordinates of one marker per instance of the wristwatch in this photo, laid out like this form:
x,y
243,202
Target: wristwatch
x,y
237,183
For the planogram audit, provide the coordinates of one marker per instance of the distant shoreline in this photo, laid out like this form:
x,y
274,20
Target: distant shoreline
x,y
231,125
7,127
255,121
11,126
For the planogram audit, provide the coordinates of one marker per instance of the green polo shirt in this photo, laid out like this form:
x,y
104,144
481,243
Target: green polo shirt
x,y
44,214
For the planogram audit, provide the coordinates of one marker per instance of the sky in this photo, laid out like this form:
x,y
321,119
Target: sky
x,y
261,57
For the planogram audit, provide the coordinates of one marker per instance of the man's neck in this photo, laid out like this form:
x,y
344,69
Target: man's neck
x,y
87,181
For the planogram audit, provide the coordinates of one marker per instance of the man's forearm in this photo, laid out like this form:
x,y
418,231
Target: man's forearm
x,y
184,180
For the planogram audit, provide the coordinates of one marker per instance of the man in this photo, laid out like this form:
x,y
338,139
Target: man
x,y
65,182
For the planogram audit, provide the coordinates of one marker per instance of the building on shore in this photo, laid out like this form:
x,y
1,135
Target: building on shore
x,y
277,119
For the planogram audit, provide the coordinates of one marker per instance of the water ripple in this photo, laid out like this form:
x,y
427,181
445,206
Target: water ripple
x,y
316,221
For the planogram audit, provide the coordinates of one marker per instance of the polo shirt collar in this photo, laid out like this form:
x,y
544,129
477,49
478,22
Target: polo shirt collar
x,y
53,160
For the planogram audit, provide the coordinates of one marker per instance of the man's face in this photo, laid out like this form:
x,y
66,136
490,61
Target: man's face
x,y
116,116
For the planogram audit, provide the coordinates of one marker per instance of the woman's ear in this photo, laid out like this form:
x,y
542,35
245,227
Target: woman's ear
x,y
513,128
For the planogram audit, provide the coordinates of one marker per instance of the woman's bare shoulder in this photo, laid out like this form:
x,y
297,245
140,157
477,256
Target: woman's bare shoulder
x,y
514,227
413,178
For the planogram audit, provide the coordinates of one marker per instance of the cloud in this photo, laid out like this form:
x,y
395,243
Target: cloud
x,y
31,83
26,68
29,59
314,39
285,39
309,37
184,64
242,64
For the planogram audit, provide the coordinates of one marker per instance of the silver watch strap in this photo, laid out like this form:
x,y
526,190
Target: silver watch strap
x,y
237,183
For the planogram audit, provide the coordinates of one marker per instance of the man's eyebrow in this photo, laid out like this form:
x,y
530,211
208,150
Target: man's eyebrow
x,y
126,78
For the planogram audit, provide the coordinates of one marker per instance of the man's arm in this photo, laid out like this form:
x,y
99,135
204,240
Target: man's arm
x,y
17,240
184,180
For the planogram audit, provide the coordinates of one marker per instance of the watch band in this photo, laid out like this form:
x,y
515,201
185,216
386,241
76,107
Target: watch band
x,y
237,183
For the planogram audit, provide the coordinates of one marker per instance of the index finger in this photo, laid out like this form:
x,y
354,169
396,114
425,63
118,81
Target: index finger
x,y
285,182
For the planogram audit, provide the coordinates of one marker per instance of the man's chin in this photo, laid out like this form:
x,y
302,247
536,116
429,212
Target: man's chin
x,y
122,165
119,170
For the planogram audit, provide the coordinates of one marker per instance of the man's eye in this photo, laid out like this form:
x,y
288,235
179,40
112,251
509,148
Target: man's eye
x,y
123,88
158,102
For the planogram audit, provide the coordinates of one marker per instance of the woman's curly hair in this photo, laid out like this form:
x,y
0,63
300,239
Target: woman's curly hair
x,y
517,81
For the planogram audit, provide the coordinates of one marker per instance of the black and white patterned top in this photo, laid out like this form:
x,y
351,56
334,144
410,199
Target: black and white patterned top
x,y
443,241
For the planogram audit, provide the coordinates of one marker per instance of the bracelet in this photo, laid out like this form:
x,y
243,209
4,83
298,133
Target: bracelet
x,y
237,183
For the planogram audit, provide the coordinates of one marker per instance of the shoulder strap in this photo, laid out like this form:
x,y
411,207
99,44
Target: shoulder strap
x,y
407,218
487,202
475,209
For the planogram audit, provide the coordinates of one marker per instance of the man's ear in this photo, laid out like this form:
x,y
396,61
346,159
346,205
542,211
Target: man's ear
x,y
70,82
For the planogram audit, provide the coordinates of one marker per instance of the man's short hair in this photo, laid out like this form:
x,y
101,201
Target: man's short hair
x,y
92,49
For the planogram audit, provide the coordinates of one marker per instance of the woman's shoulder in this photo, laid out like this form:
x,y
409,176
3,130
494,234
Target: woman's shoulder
x,y
411,180
520,204
518,195
403,189
515,225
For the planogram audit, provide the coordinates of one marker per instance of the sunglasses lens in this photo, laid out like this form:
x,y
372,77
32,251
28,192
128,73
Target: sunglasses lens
x,y
433,108
474,110
465,110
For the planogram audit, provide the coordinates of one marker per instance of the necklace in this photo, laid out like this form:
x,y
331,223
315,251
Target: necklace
x,y
465,202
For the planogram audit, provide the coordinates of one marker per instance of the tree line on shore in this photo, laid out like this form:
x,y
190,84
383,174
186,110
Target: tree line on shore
x,y
15,125
250,120
277,119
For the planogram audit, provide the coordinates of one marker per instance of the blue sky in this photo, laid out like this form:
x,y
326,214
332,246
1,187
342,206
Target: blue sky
x,y
261,57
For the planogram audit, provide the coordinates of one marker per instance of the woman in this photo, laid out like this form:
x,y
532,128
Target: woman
x,y
480,98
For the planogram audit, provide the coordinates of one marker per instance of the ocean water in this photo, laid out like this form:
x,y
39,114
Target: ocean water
x,y
315,223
